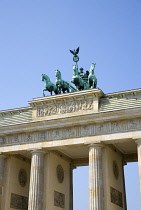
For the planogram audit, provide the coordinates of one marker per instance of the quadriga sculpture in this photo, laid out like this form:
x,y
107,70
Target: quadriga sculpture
x,y
81,80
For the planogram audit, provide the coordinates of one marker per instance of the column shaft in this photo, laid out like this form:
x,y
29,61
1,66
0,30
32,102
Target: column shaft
x,y
2,168
71,186
95,178
139,162
36,181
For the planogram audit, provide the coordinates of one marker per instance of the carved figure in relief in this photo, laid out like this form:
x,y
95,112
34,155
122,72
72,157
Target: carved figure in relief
x,y
49,86
42,135
85,130
100,128
50,110
16,138
92,80
56,134
70,132
116,126
40,112
29,137
133,124
2,140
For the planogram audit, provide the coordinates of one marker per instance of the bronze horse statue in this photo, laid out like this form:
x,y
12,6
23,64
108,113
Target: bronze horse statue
x,y
62,85
92,80
49,86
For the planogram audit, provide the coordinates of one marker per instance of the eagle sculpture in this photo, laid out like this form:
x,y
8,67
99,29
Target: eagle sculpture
x,y
75,52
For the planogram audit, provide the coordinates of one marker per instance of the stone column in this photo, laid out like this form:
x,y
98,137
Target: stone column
x,y
2,168
95,177
72,167
139,161
36,180
124,187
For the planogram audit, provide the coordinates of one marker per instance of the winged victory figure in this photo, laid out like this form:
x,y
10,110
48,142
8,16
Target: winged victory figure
x,y
75,52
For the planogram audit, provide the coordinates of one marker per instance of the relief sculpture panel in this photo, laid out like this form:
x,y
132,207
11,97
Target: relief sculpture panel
x,y
18,202
116,197
59,199
3,140
66,107
85,130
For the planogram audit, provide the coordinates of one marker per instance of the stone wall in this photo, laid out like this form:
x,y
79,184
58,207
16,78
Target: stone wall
x,y
16,188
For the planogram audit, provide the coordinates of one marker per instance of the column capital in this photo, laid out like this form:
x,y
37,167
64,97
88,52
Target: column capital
x,y
37,150
138,141
101,145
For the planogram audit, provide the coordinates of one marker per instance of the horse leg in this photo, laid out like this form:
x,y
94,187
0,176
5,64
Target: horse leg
x,y
60,90
56,92
43,92
94,86
63,90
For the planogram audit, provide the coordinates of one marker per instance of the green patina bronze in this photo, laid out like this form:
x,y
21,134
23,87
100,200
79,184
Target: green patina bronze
x,y
81,80
92,80
62,85
49,86
77,79
75,57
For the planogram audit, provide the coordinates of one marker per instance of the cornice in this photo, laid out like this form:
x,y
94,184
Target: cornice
x,y
123,94
14,111
66,97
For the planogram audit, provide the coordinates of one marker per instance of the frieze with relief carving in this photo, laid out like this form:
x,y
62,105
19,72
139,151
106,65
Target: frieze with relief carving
x,y
66,107
73,132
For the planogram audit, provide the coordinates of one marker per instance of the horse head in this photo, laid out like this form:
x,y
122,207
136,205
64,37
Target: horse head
x,y
43,77
92,68
58,73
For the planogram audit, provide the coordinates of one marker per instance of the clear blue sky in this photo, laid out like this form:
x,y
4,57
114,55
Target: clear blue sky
x,y
35,38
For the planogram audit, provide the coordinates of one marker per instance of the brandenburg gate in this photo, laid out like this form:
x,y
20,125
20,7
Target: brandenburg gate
x,y
41,144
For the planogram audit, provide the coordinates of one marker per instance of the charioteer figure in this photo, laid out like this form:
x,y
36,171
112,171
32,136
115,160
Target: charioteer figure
x,y
83,75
